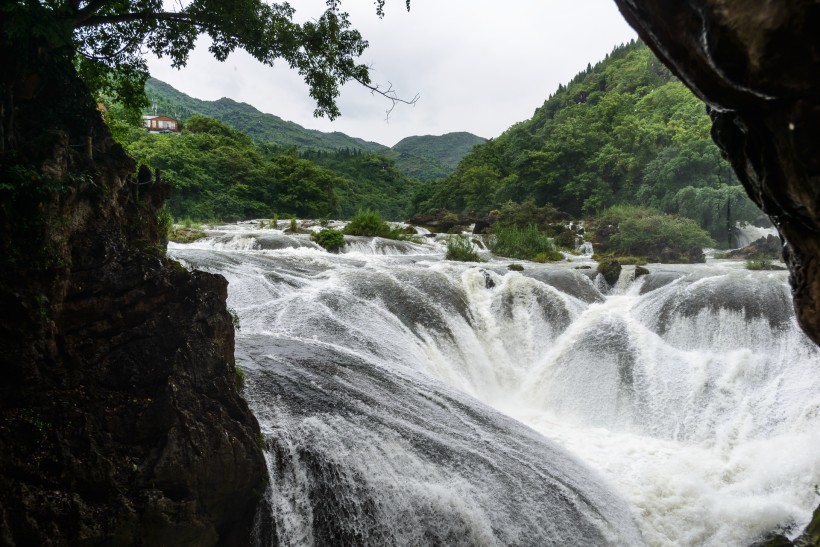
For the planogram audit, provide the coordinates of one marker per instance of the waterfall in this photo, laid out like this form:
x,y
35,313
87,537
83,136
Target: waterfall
x,y
747,233
410,400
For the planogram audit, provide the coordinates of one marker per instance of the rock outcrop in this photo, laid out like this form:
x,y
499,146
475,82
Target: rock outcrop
x,y
121,419
610,270
755,65
765,247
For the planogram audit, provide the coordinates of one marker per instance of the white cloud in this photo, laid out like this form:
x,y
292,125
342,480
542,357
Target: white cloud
x,y
478,66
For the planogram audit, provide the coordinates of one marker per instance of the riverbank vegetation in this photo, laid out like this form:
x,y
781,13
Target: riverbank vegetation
x,y
631,231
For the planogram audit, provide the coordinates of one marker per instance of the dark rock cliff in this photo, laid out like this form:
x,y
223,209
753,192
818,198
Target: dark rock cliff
x,y
121,421
755,64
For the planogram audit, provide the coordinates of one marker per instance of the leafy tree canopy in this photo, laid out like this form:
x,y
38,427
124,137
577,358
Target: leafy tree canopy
x,y
219,173
108,39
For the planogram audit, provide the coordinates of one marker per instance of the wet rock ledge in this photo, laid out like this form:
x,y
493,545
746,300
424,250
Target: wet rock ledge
x,y
121,419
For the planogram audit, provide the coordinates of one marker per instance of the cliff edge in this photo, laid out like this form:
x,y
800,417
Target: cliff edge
x,y
121,419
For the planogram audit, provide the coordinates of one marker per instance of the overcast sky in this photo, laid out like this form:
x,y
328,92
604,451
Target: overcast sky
x,y
477,65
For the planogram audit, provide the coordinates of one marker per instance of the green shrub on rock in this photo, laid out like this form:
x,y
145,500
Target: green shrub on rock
x,y
331,240
371,224
761,264
627,230
368,223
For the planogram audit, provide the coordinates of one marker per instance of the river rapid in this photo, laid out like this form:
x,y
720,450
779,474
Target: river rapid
x,y
410,400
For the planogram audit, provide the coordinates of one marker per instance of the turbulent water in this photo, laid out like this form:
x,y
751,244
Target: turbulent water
x,y
410,400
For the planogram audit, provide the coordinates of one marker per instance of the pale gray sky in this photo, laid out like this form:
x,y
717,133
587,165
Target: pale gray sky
x,y
478,65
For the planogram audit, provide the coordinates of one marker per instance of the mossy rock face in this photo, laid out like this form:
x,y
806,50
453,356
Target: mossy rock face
x,y
440,222
484,224
610,270
769,247
117,427
185,235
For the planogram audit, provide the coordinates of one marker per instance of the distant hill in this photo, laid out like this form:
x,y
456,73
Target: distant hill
x,y
423,169
260,126
424,158
446,149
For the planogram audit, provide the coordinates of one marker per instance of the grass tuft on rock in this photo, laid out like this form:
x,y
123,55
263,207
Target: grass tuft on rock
x,y
527,243
461,248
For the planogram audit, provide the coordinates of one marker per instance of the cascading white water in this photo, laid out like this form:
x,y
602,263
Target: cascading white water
x,y
375,376
747,233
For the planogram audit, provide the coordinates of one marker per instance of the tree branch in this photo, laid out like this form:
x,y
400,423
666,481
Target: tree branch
x,y
389,94
94,21
88,11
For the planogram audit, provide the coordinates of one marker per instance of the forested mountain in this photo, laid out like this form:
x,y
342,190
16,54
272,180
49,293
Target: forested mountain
x,y
260,126
423,169
447,149
623,131
432,157
424,158
241,163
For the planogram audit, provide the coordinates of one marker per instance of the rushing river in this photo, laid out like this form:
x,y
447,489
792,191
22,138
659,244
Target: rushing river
x,y
410,400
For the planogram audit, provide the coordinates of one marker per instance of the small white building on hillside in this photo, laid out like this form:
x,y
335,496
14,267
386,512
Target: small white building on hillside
x,y
160,124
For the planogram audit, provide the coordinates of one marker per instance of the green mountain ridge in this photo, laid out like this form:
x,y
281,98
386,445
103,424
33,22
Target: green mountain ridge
x,y
622,132
261,126
425,158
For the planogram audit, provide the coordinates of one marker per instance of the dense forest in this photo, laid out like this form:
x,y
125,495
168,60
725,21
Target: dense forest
x,y
219,173
624,131
370,181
